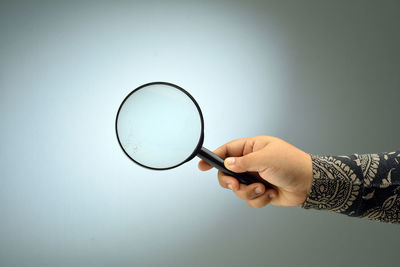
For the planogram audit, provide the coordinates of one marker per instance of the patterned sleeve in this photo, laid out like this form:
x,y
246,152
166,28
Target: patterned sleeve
x,y
366,186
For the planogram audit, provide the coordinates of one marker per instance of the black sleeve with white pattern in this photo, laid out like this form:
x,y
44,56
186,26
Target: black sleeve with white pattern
x,y
366,186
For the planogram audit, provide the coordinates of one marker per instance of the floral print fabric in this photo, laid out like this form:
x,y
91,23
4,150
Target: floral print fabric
x,y
365,185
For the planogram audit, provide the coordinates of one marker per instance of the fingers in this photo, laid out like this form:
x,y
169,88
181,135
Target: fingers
x,y
262,200
236,148
204,166
256,195
243,146
228,182
254,162
249,192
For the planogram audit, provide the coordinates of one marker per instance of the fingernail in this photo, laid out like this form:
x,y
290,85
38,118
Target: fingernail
x,y
230,161
271,195
257,190
229,186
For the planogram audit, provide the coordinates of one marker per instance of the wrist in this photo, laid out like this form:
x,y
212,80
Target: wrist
x,y
308,177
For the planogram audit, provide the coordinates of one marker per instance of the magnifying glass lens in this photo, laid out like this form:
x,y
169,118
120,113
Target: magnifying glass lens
x,y
159,126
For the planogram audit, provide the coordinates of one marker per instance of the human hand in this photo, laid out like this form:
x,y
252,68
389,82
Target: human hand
x,y
287,168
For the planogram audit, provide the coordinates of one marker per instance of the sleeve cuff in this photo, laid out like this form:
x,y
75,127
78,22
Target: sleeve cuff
x,y
336,185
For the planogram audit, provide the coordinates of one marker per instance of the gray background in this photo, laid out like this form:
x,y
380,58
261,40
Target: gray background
x,y
323,75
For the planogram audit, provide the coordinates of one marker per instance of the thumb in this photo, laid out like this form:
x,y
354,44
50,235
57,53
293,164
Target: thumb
x,y
252,162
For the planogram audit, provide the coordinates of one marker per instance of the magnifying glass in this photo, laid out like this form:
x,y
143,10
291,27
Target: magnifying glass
x,y
160,126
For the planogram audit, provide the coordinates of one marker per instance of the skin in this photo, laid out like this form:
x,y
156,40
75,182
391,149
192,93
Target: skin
x,y
283,165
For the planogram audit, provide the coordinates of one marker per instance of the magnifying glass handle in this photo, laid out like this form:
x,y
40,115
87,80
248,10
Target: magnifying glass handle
x,y
217,162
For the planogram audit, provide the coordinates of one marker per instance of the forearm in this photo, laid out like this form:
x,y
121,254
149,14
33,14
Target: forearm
x,y
365,186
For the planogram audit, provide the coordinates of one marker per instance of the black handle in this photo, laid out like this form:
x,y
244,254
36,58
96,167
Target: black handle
x,y
217,162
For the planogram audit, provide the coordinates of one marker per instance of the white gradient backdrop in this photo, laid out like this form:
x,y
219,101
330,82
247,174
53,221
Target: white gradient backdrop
x,y
323,75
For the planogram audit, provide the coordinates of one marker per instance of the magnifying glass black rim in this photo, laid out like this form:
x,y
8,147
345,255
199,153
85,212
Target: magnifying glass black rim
x,y
199,144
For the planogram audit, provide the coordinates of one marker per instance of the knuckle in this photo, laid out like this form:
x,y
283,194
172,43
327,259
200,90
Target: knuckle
x,y
240,195
222,183
251,203
259,205
251,194
239,162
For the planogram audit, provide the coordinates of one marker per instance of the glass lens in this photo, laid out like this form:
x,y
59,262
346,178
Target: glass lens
x,y
159,125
